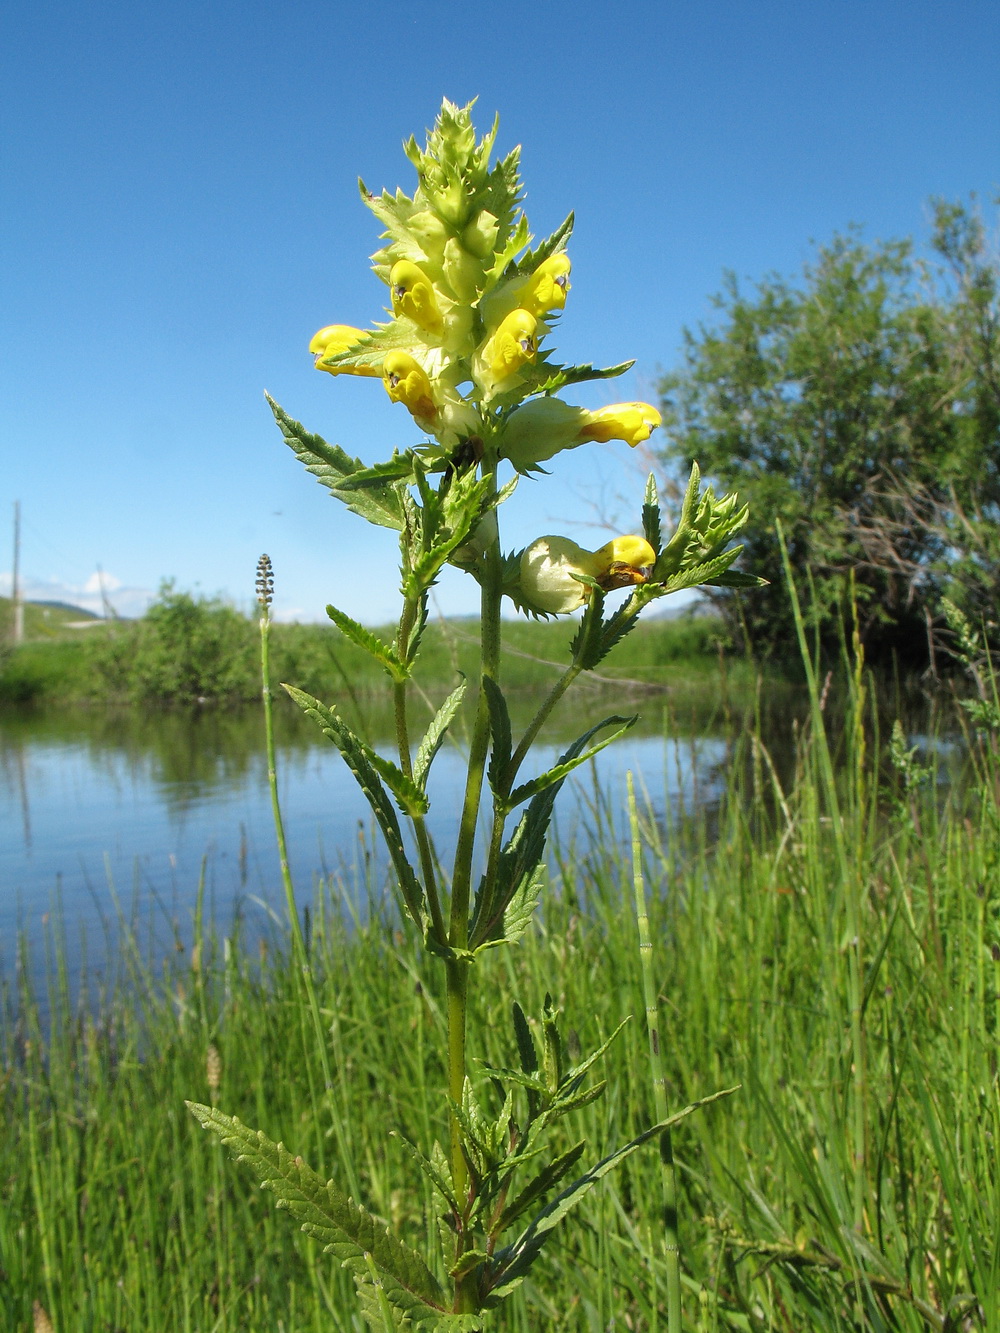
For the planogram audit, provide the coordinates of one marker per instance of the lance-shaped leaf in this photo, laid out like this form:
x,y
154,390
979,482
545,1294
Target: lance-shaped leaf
x,y
343,1227
400,467
559,376
546,1180
513,1262
562,770
530,260
384,653
524,849
436,1172
500,738
435,734
735,578
651,514
380,504
356,756
586,645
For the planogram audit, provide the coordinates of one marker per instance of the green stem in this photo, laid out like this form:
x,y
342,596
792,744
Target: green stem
x,y
461,890
320,1033
668,1171
424,848
539,720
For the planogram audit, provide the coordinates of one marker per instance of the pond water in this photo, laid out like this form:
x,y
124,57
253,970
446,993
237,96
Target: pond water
x,y
105,815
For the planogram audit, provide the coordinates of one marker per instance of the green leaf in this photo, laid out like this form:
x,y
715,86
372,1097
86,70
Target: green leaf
x,y
400,467
586,645
325,1212
523,850
735,578
546,1180
563,375
435,734
651,515
500,738
562,770
383,653
437,1173
519,911
357,757
513,1262
530,260
380,504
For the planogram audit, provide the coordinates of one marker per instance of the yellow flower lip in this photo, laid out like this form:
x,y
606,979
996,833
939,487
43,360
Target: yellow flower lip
x,y
513,344
548,285
624,562
413,295
406,382
334,339
550,565
631,422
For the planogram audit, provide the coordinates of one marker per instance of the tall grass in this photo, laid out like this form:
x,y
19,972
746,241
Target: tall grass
x,y
831,941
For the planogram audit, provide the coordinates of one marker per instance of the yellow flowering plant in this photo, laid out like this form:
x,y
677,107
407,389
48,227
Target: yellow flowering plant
x,y
466,351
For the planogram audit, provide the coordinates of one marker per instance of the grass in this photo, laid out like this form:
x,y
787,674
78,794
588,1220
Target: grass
x,y
831,942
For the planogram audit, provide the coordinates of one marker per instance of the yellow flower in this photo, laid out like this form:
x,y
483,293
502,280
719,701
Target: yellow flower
x,y
539,429
333,340
413,296
631,422
624,562
547,287
549,566
406,382
513,345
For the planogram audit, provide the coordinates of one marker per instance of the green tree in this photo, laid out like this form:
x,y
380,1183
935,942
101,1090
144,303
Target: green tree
x,y
184,649
859,407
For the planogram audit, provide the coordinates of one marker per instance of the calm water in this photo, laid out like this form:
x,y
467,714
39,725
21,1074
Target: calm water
x,y
107,813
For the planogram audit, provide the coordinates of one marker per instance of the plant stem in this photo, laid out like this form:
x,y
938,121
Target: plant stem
x,y
424,849
458,934
298,942
668,1172
540,718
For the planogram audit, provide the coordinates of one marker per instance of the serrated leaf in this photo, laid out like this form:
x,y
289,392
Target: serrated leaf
x,y
519,911
383,653
356,756
435,734
407,1312
514,1261
500,738
651,515
526,1049
381,504
560,771
563,375
324,1211
585,646
400,467
433,1171
546,1180
523,850
735,578
531,259
411,799
701,573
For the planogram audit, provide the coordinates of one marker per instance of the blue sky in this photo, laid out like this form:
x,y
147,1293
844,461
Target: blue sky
x,y
181,214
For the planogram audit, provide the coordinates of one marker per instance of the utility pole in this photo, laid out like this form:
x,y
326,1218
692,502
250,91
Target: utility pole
x,y
15,591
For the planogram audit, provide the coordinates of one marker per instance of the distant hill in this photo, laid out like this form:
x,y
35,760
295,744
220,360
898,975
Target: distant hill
x,y
46,620
75,612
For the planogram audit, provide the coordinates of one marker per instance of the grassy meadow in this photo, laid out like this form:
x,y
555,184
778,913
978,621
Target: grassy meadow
x,y
829,941
187,650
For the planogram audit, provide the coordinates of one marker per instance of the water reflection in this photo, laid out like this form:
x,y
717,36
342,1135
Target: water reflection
x,y
126,811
